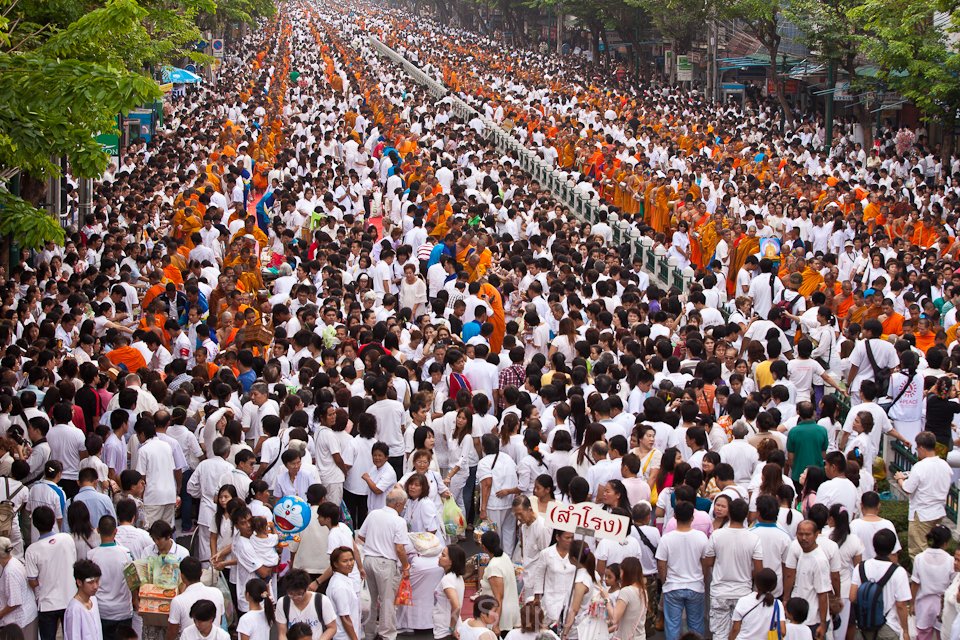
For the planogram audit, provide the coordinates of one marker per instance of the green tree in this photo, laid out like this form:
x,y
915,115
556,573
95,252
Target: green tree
x,y
912,43
761,19
56,96
829,29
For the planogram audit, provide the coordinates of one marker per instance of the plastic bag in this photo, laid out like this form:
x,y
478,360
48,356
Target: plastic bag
x,y
404,594
482,528
427,544
365,604
453,521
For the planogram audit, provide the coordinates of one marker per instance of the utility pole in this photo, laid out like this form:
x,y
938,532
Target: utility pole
x,y
828,112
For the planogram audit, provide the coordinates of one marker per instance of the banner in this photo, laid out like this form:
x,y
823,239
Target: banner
x,y
587,518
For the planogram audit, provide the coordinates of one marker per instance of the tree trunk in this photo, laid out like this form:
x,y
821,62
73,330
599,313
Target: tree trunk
x,y
949,141
595,43
773,48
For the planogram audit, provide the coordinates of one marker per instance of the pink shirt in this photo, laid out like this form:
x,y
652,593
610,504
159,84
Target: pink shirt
x,y
701,522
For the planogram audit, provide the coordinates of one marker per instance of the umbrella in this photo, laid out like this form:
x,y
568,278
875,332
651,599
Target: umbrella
x,y
180,76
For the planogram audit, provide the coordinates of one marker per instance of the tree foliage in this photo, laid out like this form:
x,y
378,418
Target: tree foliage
x,y
69,67
915,52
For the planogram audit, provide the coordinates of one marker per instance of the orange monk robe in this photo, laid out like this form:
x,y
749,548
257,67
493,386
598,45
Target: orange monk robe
x,y
660,216
844,305
924,235
442,220
257,234
893,325
252,279
812,279
486,258
129,357
952,333
151,293
747,246
489,294
924,342
870,213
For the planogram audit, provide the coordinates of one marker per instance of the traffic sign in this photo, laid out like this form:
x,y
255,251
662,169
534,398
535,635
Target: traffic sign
x,y
216,46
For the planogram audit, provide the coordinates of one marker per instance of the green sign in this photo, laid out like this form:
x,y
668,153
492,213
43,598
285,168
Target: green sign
x,y
109,143
684,69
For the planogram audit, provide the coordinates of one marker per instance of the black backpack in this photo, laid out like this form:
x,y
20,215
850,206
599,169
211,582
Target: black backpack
x,y
881,375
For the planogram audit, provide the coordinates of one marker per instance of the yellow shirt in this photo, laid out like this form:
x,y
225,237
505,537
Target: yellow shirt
x,y
763,376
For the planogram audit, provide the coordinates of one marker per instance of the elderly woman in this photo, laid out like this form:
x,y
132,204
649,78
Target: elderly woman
x,y
16,596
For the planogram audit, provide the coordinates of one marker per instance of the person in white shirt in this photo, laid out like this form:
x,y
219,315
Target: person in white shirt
x,y
679,566
68,445
498,481
734,555
927,485
384,536
155,461
740,455
896,586
837,489
867,356
81,619
193,590
204,613
765,289
113,598
204,483
46,560
807,576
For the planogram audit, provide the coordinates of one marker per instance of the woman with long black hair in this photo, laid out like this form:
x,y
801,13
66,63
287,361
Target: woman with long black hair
x,y
754,612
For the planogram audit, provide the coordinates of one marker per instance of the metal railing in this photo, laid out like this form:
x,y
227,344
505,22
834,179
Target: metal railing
x,y
654,261
900,458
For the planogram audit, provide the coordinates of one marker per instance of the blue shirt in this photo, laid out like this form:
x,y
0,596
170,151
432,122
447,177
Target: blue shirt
x,y
97,503
246,379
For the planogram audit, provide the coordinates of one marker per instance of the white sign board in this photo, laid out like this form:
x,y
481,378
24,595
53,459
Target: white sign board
x,y
587,518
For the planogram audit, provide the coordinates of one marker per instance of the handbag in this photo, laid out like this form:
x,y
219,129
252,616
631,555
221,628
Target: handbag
x,y
774,632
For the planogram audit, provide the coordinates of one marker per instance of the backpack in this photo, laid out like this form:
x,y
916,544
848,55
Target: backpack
x,y
8,512
881,375
787,307
317,608
869,610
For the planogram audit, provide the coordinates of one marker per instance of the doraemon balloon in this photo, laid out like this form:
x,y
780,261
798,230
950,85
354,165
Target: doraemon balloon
x,y
291,515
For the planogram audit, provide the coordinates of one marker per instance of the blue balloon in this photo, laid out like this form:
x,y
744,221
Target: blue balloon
x,y
291,515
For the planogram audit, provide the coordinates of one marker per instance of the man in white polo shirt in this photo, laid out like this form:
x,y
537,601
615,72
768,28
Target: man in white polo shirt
x,y
383,536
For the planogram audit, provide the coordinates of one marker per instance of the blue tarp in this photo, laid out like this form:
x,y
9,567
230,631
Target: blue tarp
x,y
179,76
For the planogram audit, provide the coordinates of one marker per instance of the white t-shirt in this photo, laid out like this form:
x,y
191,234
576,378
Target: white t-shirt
x,y
155,460
254,625
896,590
181,603
504,475
113,597
46,561
734,550
327,445
341,592
866,530
441,604
390,416
192,633
884,354
308,614
755,616
812,579
682,551
840,491
383,529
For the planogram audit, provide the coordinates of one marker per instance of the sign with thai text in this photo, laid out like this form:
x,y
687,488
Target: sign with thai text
x,y
587,518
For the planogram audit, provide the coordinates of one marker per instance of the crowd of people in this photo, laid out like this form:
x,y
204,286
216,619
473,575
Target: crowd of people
x,y
317,281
